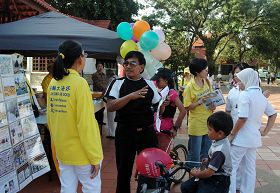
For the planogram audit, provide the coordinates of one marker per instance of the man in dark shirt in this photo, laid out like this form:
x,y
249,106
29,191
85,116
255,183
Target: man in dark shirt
x,y
132,97
99,78
100,83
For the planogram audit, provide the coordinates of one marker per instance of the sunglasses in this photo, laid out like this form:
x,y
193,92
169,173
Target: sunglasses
x,y
131,63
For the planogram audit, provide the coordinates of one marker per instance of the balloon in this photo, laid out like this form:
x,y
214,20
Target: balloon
x,y
152,65
139,28
131,24
149,40
125,31
161,52
145,162
127,46
160,34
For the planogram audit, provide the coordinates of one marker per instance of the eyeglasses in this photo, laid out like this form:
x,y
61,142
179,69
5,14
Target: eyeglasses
x,y
131,63
84,54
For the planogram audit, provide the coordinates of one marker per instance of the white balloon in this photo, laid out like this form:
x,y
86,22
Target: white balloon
x,y
160,34
161,52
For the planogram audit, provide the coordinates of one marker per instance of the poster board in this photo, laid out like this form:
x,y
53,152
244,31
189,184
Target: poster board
x,y
22,155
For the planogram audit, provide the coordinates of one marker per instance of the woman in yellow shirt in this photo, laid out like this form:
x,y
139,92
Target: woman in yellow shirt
x,y
195,92
73,127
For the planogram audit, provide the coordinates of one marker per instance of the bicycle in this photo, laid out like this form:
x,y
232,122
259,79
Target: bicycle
x,y
163,183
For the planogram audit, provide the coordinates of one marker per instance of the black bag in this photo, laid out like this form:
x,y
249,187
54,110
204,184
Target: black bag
x,y
34,106
35,109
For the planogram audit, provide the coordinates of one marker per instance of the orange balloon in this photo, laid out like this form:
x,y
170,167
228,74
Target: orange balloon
x,y
139,28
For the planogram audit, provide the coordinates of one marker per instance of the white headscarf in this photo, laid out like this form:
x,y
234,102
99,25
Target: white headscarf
x,y
248,77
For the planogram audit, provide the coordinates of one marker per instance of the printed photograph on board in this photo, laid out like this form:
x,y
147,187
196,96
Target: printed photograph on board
x,y
12,110
21,87
19,155
5,140
9,183
6,66
29,126
17,63
24,106
40,165
9,87
3,115
24,175
16,132
6,162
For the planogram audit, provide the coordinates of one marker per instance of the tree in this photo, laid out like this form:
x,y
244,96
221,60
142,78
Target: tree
x,y
220,18
114,10
266,38
178,41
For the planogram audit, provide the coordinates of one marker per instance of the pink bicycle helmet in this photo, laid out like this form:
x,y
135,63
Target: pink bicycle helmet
x,y
145,162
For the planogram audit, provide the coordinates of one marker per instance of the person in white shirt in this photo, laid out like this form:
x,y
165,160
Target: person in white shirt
x,y
246,134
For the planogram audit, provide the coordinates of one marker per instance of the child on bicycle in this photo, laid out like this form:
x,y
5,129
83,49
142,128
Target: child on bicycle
x,y
216,177
165,78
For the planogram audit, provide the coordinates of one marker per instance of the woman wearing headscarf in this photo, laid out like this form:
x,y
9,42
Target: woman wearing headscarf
x,y
246,134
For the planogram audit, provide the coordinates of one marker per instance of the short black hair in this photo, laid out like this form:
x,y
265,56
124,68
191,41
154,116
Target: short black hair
x,y
99,62
197,65
136,54
221,121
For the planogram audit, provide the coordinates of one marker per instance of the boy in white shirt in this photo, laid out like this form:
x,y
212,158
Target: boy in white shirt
x,y
216,177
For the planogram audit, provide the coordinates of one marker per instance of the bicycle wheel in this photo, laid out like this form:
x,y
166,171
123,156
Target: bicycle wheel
x,y
179,152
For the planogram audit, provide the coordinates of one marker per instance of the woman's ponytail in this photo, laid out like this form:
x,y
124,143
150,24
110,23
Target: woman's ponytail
x,y
59,70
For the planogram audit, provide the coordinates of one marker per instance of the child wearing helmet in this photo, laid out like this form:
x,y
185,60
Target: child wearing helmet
x,y
216,177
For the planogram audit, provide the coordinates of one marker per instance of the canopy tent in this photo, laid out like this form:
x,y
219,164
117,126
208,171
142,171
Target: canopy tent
x,y
41,35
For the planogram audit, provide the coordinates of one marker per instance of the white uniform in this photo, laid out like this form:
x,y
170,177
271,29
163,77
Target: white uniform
x,y
232,103
252,105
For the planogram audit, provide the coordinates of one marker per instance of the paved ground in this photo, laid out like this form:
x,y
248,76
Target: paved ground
x,y
268,161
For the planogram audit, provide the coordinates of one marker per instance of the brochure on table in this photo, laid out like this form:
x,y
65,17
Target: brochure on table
x,y
22,155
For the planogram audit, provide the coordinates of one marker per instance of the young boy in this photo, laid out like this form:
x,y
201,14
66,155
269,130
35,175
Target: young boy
x,y
216,177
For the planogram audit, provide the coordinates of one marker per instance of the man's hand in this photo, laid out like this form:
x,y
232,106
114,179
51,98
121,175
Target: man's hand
x,y
139,93
94,171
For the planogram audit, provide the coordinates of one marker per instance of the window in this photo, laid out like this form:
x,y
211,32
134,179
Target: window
x,y
40,63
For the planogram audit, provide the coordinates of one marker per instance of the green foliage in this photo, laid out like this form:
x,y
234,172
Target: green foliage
x,y
220,18
179,45
114,10
266,38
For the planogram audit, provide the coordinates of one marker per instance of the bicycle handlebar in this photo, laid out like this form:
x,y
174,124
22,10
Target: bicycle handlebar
x,y
166,174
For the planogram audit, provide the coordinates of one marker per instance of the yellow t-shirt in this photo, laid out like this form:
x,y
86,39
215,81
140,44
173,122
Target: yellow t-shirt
x,y
73,127
197,117
45,83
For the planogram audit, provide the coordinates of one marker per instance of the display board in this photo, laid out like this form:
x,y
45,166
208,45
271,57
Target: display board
x,y
22,155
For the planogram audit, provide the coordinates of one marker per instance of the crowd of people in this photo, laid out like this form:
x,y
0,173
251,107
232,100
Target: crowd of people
x,y
225,141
